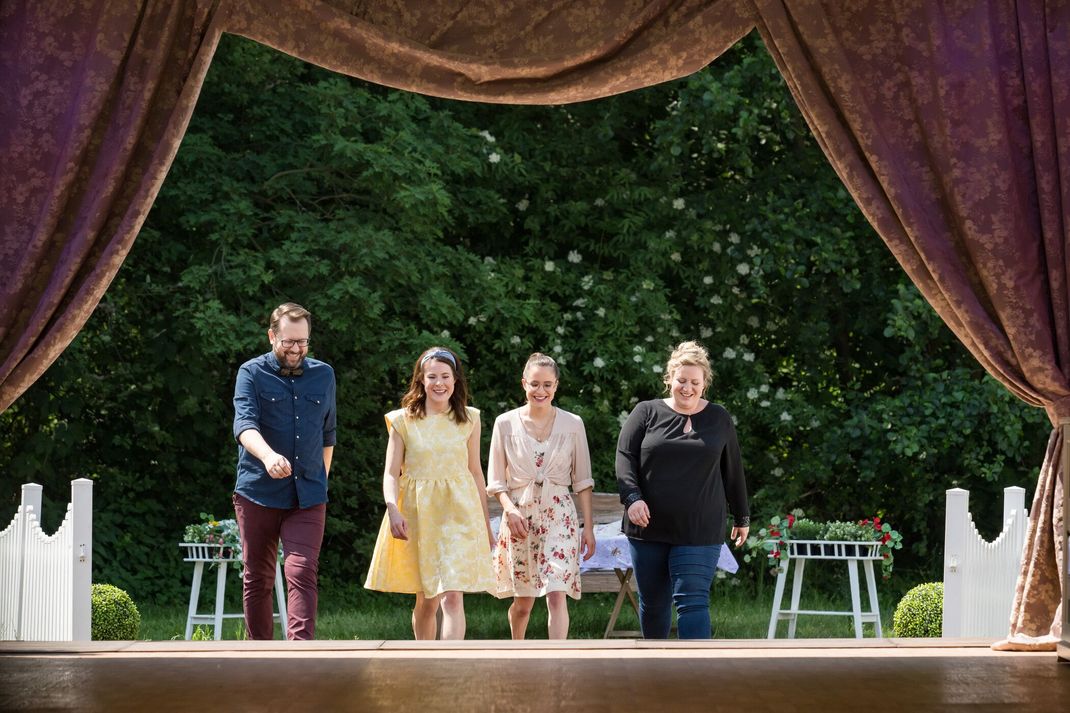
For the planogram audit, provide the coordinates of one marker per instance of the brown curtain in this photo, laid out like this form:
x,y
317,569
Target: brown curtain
x,y
501,51
950,124
95,97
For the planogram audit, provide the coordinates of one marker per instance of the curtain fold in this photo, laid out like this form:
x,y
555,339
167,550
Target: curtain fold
x,y
94,99
501,51
950,125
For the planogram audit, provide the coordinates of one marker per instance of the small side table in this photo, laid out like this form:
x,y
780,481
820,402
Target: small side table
x,y
199,554
799,551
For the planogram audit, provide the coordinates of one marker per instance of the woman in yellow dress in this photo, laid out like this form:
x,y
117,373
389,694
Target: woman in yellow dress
x,y
435,540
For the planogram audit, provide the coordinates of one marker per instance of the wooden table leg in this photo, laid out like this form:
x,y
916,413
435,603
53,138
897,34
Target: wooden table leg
x,y
624,578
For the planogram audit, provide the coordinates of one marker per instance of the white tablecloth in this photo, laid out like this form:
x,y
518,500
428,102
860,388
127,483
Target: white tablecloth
x,y
612,551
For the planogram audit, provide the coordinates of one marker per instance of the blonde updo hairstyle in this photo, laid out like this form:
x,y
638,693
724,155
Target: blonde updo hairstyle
x,y
688,353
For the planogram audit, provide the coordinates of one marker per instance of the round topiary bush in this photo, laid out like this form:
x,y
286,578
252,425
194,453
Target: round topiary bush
x,y
115,616
920,612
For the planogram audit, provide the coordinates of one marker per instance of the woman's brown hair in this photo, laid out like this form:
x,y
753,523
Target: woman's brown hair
x,y
540,359
415,399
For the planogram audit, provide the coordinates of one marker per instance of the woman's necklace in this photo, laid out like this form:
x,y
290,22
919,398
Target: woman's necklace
x,y
540,432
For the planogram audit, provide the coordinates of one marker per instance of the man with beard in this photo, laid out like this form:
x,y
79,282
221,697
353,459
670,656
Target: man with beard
x,y
284,422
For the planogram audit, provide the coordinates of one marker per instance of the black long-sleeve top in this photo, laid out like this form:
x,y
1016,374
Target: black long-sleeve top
x,y
688,480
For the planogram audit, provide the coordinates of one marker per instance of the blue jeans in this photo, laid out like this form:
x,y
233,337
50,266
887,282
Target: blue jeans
x,y
674,574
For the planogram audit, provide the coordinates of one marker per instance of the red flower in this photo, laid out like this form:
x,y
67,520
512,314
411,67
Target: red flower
x,y
886,555
776,554
791,520
877,522
887,536
774,533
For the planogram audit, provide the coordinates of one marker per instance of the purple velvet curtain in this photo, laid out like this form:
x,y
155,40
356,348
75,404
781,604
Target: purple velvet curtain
x,y
950,124
94,99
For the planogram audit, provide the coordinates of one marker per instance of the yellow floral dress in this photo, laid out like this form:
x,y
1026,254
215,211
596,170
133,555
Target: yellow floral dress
x,y
447,549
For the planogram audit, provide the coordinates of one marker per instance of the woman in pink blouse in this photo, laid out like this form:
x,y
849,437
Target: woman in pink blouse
x,y
536,452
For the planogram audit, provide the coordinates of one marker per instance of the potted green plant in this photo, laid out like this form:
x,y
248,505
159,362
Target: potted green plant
x,y
807,534
794,535
212,539
848,533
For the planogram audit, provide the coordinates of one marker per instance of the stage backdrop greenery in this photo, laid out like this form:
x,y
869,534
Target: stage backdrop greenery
x,y
601,233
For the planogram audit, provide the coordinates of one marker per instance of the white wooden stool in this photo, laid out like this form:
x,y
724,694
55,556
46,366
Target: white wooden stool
x,y
199,554
850,552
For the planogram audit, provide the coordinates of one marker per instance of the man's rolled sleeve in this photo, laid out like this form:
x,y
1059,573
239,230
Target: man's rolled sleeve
x,y
330,419
246,405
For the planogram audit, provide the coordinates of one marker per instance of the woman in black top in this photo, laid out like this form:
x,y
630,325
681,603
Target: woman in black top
x,y
679,472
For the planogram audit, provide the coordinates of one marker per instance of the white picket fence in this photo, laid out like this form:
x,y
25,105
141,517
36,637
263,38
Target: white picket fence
x,y
45,580
980,576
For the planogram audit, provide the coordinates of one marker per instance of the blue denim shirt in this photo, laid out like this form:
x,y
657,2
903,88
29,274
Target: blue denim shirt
x,y
296,417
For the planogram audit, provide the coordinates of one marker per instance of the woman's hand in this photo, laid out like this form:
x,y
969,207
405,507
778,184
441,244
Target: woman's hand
x,y
587,543
739,535
398,527
639,513
518,524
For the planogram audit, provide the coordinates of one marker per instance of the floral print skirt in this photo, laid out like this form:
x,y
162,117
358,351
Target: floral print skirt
x,y
547,560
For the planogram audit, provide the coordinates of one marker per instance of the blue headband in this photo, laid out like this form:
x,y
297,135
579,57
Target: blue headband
x,y
441,355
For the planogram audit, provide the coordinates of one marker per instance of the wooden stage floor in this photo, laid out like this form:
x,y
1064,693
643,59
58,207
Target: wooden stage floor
x,y
885,675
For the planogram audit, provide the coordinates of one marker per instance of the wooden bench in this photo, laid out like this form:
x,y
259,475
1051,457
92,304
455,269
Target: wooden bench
x,y
606,508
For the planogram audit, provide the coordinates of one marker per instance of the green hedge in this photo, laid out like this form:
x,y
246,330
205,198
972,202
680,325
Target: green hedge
x,y
920,611
115,616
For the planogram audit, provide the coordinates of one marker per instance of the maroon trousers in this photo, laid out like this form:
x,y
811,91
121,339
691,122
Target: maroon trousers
x,y
301,531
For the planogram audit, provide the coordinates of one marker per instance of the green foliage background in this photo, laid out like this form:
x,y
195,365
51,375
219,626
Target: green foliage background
x,y
601,232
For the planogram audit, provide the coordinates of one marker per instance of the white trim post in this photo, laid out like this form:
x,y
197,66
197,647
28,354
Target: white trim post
x,y
956,521
81,559
1013,502
31,501
31,497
